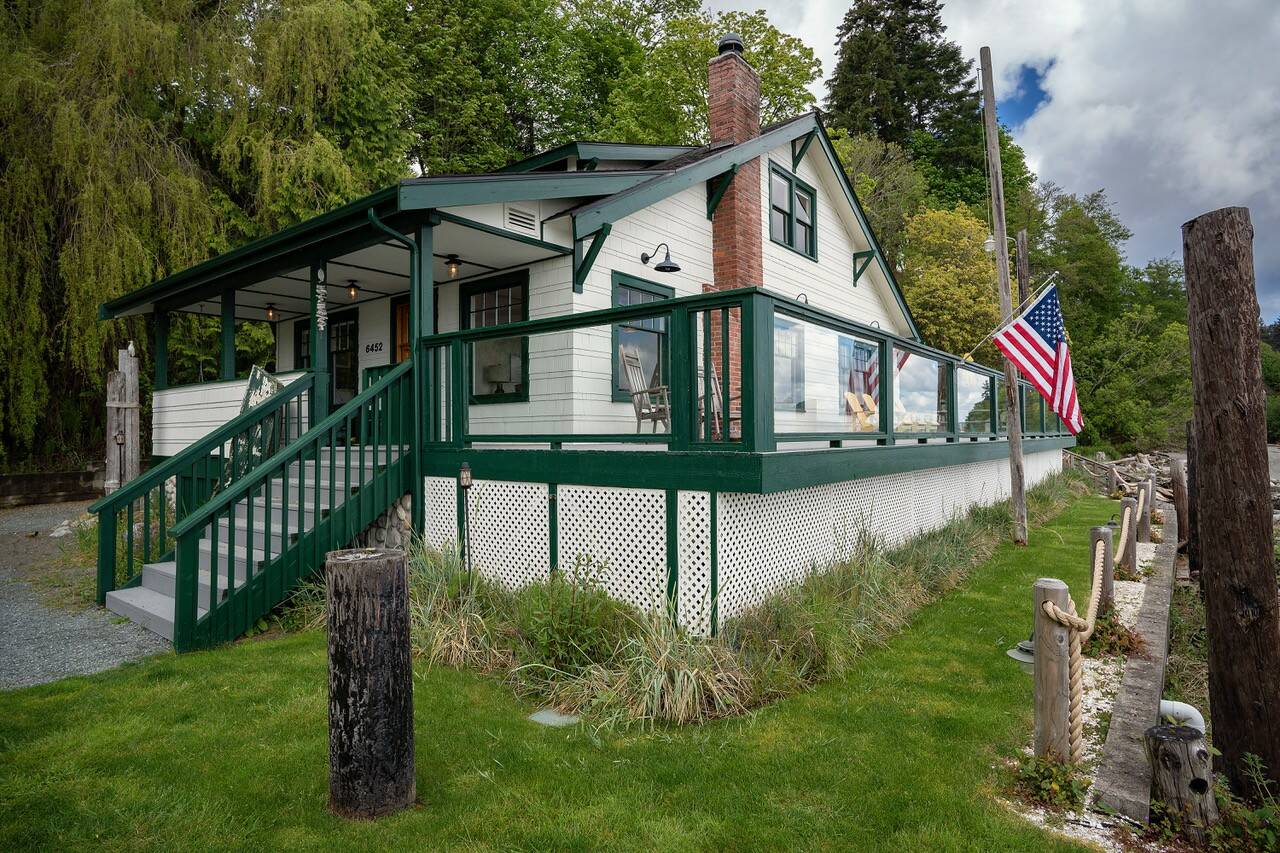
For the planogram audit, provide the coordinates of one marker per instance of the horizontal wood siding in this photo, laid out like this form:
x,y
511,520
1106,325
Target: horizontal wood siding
x,y
182,415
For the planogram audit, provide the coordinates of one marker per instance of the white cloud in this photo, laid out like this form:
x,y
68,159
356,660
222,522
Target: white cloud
x,y
1172,106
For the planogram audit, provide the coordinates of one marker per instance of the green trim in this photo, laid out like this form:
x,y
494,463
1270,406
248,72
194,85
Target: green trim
x,y
319,343
622,279
798,154
555,248
719,470
717,187
861,260
673,554
227,357
161,349
464,190
582,261
714,545
468,289
597,151
789,238
590,217
589,165
553,528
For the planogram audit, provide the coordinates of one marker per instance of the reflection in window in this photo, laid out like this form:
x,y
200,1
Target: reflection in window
x,y
859,383
497,366
973,396
788,365
1002,411
1032,410
919,393
647,338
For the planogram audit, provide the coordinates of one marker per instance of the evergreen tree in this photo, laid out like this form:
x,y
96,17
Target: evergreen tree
x,y
896,73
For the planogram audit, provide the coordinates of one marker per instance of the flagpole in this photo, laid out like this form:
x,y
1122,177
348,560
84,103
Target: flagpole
x,y
1039,291
1017,475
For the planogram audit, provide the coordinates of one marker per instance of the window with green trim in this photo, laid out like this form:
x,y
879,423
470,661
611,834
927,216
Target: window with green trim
x,y
499,366
647,337
793,212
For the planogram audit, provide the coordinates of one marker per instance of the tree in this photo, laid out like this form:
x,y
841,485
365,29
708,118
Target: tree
x,y
662,98
896,73
889,186
139,138
949,281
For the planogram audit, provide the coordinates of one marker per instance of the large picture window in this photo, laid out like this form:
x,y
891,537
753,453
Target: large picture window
x,y
792,212
788,365
499,366
646,337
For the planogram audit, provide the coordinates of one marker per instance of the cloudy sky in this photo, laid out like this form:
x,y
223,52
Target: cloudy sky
x,y
1172,106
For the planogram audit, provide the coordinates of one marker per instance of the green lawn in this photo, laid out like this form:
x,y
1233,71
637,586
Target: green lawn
x,y
227,749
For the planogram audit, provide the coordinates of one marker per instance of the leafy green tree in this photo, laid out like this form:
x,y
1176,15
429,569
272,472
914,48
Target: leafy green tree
x,y
889,186
663,97
949,281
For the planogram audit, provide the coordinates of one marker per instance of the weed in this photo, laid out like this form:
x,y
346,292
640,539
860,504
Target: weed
x,y
1051,783
1248,826
1112,637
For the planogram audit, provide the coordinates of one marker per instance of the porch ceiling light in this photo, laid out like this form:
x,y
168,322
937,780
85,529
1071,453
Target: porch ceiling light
x,y
352,290
271,311
453,263
664,265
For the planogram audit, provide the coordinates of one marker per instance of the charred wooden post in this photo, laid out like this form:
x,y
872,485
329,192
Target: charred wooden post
x,y
1182,771
1053,673
1103,534
371,762
1129,559
1233,493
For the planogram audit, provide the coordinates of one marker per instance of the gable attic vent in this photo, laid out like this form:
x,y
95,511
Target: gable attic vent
x,y
520,218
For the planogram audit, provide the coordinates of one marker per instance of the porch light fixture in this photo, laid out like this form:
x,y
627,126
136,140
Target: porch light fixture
x,y
271,311
989,244
352,290
464,480
453,263
664,265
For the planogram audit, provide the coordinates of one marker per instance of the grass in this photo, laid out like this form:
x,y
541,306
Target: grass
x,y
227,749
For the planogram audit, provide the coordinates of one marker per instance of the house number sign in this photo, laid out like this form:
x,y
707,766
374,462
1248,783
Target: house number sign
x,y
322,310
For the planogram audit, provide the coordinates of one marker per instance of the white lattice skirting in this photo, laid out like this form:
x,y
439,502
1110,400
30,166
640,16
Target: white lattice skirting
x,y
752,544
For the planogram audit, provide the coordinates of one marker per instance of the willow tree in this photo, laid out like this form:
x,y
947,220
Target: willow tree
x,y
137,138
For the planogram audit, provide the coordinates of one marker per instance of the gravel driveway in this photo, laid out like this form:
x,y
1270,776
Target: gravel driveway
x,y
39,643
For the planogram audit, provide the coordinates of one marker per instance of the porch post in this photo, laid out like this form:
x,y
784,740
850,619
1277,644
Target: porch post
x,y
319,345
228,370
161,350
422,322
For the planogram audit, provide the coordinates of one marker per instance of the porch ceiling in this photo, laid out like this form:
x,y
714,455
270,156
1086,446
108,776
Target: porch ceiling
x,y
381,270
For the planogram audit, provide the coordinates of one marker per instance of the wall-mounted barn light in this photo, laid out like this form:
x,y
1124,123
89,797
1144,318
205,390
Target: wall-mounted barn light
x,y
664,265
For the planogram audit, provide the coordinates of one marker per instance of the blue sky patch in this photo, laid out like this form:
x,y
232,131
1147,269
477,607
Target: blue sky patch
x,y
1015,110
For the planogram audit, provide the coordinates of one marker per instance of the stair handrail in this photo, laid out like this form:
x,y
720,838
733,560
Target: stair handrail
x,y
135,488
199,517
139,488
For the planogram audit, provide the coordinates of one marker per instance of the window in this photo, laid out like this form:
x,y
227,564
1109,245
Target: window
x,y
792,212
788,365
302,344
919,393
858,383
499,366
973,396
647,337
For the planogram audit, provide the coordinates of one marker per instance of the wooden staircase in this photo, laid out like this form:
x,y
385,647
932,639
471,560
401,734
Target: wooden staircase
x,y
203,545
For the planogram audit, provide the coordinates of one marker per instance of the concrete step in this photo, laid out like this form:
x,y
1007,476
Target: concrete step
x,y
150,609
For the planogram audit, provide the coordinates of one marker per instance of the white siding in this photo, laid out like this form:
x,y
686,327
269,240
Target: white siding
x,y
181,416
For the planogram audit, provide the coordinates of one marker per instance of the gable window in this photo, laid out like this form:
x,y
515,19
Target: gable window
x,y
792,212
788,365
499,366
646,337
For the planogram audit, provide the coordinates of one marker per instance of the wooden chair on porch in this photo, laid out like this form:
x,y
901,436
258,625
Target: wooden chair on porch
x,y
718,415
865,413
652,403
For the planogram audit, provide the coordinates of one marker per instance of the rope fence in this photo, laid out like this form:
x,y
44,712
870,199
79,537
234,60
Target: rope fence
x,y
1060,706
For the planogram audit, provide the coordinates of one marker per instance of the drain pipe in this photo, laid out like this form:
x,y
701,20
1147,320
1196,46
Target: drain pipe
x,y
1182,714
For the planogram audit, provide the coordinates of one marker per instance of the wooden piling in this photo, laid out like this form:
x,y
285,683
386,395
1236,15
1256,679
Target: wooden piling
x,y
1103,533
1144,517
1053,673
1129,559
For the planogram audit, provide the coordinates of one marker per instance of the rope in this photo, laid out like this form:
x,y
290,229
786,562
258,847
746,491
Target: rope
x,y
1081,630
1125,521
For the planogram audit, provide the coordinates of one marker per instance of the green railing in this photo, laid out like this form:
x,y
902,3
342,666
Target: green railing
x,y
731,341
135,522
313,495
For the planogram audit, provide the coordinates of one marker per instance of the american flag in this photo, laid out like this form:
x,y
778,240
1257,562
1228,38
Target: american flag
x,y
872,373
1036,342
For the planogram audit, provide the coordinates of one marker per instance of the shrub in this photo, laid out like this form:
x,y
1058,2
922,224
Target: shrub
x,y
1244,826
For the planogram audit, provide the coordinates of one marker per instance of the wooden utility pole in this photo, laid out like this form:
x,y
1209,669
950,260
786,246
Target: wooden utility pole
x,y
371,762
1231,491
1023,266
1013,405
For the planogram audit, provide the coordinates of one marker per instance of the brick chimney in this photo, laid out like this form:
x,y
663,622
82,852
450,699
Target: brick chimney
x,y
733,111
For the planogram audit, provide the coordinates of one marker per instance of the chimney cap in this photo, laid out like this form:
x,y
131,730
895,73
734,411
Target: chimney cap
x,y
730,43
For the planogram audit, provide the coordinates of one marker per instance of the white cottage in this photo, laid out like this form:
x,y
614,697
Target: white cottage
x,y
690,365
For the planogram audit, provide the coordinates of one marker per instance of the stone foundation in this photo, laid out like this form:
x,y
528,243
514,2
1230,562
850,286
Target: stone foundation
x,y
392,529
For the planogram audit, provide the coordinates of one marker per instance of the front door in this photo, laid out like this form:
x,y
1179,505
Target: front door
x,y
400,329
344,357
